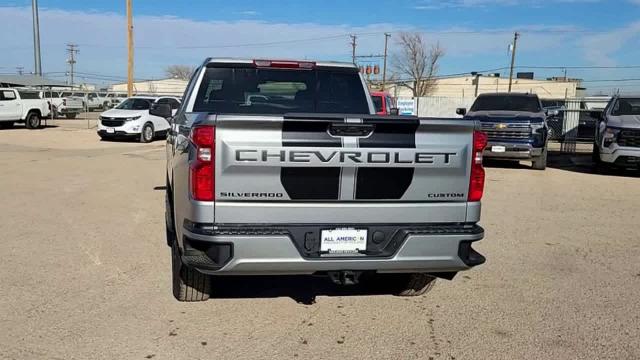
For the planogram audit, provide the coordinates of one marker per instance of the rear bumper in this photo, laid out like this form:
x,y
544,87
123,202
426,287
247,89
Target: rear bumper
x,y
280,251
521,151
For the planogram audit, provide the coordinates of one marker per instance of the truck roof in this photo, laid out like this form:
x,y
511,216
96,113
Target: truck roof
x,y
335,64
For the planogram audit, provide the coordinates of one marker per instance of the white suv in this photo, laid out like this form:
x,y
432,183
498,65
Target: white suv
x,y
131,119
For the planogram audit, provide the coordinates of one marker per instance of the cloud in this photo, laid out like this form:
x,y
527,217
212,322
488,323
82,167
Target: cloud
x,y
600,49
436,4
248,13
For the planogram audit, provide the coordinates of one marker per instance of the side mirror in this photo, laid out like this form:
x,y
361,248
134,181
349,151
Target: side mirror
x,y
461,111
161,110
394,111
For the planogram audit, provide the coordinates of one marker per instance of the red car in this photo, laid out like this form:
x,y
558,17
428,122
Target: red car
x,y
383,102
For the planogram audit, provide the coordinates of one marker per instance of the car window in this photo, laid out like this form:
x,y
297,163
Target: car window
x,y
66,94
506,103
279,91
377,102
78,94
626,106
135,104
7,95
29,95
175,104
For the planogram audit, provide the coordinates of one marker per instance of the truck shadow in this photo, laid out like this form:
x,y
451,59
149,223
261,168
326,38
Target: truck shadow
x,y
582,163
301,289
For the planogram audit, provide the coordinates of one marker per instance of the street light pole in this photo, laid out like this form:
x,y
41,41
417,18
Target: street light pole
x,y
384,67
36,38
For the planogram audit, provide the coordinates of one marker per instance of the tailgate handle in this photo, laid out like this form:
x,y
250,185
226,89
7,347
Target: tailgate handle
x,y
351,129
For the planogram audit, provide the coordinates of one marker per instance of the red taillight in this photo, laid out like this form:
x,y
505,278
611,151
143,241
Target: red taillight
x,y
284,64
202,170
476,183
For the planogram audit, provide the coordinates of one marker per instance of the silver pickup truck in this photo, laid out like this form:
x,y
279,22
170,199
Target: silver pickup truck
x,y
280,167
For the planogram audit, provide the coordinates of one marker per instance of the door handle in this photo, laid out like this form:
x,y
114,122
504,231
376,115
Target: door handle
x,y
361,130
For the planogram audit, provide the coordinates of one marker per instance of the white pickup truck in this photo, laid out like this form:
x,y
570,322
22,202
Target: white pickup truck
x,y
18,105
68,106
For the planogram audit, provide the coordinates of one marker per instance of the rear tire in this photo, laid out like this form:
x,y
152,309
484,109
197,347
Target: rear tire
x,y
540,163
189,285
147,134
71,116
32,121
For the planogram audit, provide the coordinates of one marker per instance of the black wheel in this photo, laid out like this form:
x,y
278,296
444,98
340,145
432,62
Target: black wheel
x,y
188,284
6,124
71,115
33,121
413,284
147,133
540,163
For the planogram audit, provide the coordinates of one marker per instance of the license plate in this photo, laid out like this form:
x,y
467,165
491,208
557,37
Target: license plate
x,y
343,241
498,149
111,131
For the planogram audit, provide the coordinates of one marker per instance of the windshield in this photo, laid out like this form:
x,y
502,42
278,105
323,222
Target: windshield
x,y
135,104
280,91
377,102
626,107
506,103
78,94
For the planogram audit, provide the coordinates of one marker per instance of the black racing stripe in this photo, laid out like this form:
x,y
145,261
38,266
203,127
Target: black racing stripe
x,y
310,183
386,183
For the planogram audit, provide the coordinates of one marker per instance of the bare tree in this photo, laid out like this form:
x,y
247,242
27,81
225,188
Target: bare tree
x,y
182,72
418,62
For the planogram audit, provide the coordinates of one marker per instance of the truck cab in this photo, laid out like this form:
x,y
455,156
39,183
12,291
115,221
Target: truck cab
x,y
515,124
22,106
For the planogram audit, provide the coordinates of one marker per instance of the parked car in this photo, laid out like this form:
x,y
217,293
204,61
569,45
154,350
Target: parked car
x,y
617,139
131,119
516,126
282,167
71,105
114,99
383,103
61,106
90,100
22,106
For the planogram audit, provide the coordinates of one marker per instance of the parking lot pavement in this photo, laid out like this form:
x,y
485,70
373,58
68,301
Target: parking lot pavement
x,y
86,274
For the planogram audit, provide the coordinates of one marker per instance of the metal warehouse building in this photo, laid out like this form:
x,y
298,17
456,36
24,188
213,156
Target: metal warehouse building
x,y
173,87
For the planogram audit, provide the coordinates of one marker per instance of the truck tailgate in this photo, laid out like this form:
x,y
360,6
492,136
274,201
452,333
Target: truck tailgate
x,y
341,169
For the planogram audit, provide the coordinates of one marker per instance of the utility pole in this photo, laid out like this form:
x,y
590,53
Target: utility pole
x,y
354,44
72,49
130,49
513,58
36,38
384,66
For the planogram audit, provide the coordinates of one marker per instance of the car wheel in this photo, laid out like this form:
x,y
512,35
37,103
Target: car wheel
x,y
147,133
188,284
540,163
71,116
33,121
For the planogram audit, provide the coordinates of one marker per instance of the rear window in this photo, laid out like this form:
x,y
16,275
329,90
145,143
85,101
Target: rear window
x,y
29,95
506,103
280,91
626,107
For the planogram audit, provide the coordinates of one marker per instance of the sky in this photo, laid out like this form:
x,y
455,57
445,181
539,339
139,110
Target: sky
x,y
595,40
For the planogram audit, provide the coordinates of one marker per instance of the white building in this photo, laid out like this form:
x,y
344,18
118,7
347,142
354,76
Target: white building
x,y
174,87
467,86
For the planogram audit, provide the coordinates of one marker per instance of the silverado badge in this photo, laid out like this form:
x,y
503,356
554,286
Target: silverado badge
x,y
502,126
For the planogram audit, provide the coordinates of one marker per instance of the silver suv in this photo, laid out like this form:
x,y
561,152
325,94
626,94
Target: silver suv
x,y
617,140
279,167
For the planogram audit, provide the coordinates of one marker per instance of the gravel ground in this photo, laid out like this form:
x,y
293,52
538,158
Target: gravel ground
x,y
86,272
